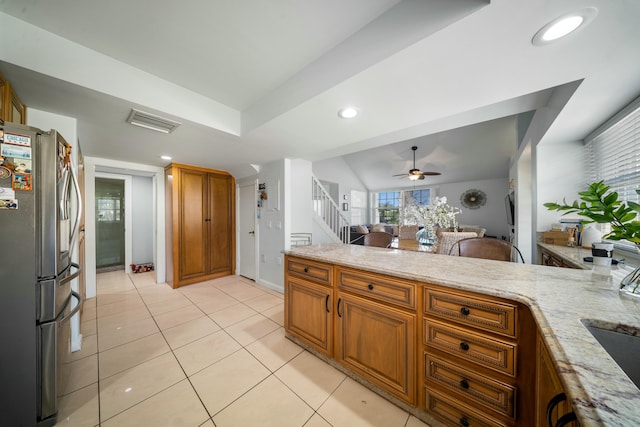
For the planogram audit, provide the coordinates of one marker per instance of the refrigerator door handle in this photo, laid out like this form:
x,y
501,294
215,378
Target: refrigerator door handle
x,y
63,193
71,276
75,309
76,225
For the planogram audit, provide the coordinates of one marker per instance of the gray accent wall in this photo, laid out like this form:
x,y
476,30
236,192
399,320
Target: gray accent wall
x,y
142,212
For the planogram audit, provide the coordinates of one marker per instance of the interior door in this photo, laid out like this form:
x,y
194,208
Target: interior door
x,y
109,223
247,229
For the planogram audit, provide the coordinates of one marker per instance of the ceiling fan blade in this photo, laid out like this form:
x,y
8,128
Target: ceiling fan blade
x,y
430,173
400,174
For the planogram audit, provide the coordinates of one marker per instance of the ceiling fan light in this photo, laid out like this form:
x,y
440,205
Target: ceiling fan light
x,y
414,177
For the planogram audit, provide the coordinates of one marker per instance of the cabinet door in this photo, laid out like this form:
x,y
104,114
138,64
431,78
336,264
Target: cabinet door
x,y
3,98
548,386
308,314
17,111
378,343
192,194
219,223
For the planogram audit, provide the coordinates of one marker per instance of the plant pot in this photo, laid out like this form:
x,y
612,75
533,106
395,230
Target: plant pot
x,y
630,284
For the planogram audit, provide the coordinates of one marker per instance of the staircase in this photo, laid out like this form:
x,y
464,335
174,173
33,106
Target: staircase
x,y
329,214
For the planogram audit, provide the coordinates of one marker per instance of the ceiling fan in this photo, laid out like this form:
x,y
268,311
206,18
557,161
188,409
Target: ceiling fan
x,y
415,174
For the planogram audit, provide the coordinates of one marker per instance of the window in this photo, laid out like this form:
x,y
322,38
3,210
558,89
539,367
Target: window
x,y
421,197
613,156
108,209
387,207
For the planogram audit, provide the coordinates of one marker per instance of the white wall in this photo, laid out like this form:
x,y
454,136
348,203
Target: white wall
x,y
142,218
299,196
492,216
271,225
338,171
560,175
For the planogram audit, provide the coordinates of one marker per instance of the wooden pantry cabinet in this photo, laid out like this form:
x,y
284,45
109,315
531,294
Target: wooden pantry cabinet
x,y
200,210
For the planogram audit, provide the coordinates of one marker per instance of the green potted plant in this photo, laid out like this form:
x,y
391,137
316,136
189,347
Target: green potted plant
x,y
600,205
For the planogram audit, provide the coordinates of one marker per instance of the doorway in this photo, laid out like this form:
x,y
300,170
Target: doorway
x,y
247,239
110,224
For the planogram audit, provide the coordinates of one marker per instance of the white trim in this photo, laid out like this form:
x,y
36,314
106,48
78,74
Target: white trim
x,y
91,163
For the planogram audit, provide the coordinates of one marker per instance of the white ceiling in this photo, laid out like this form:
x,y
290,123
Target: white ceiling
x,y
256,81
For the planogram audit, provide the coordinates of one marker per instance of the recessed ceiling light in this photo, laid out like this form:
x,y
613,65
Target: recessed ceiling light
x,y
165,157
347,113
563,26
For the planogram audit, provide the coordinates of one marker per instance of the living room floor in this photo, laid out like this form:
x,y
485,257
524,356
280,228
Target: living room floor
x,y
208,354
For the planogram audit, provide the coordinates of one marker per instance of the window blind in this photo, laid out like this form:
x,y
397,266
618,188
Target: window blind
x,y
613,156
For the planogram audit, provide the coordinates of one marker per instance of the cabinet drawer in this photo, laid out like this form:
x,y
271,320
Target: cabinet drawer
x,y
493,394
378,287
455,413
484,313
310,270
481,349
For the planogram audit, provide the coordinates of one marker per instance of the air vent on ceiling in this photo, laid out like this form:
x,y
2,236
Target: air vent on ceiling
x,y
151,121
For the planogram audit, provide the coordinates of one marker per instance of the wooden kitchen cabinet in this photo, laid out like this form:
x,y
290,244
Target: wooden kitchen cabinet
x,y
477,359
11,108
378,343
201,224
308,311
551,402
450,357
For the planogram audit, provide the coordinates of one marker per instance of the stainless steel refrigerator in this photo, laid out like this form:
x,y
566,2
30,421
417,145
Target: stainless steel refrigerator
x,y
39,218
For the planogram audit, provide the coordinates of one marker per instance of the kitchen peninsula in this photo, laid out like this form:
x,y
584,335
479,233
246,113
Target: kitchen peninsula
x,y
504,307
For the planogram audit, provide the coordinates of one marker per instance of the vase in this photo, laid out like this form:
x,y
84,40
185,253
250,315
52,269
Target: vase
x,y
426,236
630,284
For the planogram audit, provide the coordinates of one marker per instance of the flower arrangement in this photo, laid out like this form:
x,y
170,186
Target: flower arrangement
x,y
438,213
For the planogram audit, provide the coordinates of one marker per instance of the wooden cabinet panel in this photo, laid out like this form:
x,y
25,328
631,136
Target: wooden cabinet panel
x,y
548,386
484,313
200,224
308,313
192,236
477,388
481,349
455,413
378,287
219,222
378,343
11,108
316,272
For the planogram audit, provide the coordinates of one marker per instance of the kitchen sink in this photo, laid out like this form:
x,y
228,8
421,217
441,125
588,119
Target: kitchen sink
x,y
623,345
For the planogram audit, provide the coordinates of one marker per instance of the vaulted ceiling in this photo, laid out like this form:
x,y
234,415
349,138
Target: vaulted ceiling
x,y
254,81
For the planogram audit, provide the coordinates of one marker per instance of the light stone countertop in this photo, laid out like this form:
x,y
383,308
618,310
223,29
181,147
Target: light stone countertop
x,y
559,298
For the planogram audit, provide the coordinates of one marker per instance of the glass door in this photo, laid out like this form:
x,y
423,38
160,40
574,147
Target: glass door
x,y
109,223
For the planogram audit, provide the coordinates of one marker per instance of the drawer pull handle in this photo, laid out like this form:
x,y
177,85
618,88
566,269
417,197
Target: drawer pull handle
x,y
306,269
464,346
465,311
464,384
464,422
370,286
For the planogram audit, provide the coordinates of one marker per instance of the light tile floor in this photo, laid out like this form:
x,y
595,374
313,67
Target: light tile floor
x,y
208,354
